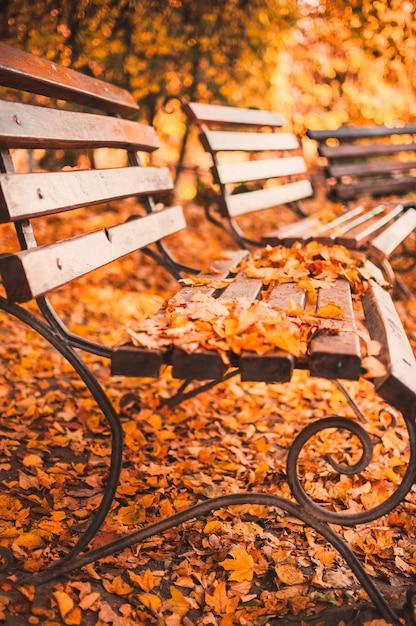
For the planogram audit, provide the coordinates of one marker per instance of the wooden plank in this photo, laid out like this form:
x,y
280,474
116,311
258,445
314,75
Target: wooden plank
x,y
377,188
228,141
290,233
359,236
28,72
361,132
385,244
336,355
34,272
259,170
232,115
374,168
243,203
278,365
398,386
28,126
129,360
364,150
28,195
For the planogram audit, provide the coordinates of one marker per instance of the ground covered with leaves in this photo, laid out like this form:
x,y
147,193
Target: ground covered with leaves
x,y
249,564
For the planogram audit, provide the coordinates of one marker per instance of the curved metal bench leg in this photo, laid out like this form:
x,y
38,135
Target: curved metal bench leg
x,y
108,411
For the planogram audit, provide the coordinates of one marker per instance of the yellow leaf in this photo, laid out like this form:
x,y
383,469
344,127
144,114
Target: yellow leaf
x,y
151,601
32,460
289,574
70,613
132,514
30,540
117,585
331,311
219,600
9,507
146,581
284,340
213,527
241,565
179,604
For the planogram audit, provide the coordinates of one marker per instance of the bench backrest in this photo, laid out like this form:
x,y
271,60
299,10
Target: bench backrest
x,y
378,161
69,111
255,164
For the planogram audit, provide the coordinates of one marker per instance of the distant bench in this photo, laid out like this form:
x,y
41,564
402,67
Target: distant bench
x,y
375,161
30,272
256,165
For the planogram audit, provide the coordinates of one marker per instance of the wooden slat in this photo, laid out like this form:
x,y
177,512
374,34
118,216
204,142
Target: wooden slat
x,y
290,233
378,188
29,195
27,72
259,170
223,141
364,150
34,272
359,236
278,365
232,115
398,386
361,132
242,203
374,168
336,355
383,246
28,126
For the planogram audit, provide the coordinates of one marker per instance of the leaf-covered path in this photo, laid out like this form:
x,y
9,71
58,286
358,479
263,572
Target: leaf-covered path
x,y
241,565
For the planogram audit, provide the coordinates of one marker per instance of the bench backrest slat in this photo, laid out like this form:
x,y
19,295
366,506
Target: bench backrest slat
x,y
259,170
218,141
28,126
243,203
212,113
27,72
34,272
32,195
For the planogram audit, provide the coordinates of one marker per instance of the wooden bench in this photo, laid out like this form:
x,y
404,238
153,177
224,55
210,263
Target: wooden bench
x,y
257,166
236,289
374,161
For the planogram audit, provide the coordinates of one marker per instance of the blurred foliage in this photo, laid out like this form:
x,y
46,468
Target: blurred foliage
x,y
321,63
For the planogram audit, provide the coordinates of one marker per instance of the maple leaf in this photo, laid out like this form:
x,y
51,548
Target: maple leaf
x,y
220,601
241,565
178,603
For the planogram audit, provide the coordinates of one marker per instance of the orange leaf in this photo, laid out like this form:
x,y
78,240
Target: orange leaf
x,y
219,600
241,565
331,311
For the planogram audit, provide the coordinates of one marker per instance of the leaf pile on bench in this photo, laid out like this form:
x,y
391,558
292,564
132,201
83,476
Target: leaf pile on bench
x,y
230,326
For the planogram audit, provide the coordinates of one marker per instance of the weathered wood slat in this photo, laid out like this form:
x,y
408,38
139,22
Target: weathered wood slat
x,y
232,115
259,170
27,72
378,189
359,236
242,203
385,244
290,233
34,272
364,150
30,195
28,126
370,169
223,141
398,386
336,355
361,132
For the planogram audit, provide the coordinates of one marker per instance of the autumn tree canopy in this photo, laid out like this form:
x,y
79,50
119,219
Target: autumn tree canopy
x,y
320,62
